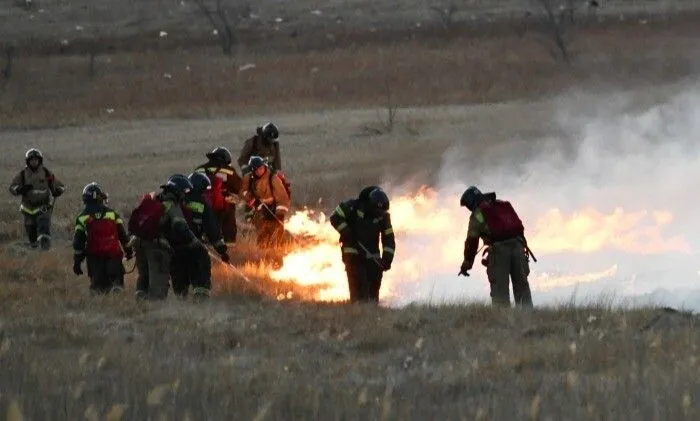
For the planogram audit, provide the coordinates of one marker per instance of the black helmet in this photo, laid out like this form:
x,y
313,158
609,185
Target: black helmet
x,y
470,198
255,162
93,194
268,131
178,184
200,182
364,193
33,153
220,154
377,201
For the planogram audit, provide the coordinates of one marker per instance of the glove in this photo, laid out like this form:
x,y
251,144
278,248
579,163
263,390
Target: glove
x,y
222,250
77,261
24,189
58,192
386,263
129,253
280,215
464,269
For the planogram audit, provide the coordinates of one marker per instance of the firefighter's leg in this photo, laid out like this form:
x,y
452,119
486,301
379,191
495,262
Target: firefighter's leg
x,y
142,268
374,280
115,273
97,272
355,272
201,275
30,228
43,228
519,272
229,228
180,273
498,271
158,271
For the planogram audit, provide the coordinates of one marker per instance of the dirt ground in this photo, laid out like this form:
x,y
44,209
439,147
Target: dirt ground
x,y
148,110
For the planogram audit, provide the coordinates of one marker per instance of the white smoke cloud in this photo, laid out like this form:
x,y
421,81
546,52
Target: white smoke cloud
x,y
621,151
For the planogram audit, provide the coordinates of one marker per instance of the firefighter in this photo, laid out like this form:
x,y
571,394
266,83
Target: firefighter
x,y
36,184
99,238
265,144
226,183
506,254
195,268
162,231
362,222
265,193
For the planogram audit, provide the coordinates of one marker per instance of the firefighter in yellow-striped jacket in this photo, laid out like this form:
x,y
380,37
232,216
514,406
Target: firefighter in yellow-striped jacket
x,y
99,238
362,222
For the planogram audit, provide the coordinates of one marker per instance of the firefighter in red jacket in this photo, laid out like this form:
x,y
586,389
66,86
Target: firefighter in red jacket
x,y
99,238
507,254
362,222
226,183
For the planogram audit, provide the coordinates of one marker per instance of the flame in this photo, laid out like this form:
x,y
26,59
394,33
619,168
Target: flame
x,y
430,230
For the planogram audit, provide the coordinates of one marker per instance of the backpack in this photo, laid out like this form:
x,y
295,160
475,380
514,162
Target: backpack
x,y
103,237
144,221
502,220
286,183
215,196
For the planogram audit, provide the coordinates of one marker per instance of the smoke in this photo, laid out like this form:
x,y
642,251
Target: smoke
x,y
608,197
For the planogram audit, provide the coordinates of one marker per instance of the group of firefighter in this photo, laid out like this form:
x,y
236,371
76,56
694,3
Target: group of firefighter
x,y
171,231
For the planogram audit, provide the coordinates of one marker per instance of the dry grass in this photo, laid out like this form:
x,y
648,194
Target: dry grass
x,y
248,355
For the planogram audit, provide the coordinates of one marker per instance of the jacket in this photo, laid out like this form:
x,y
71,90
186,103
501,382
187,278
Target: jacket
x,y
44,185
267,189
358,229
257,146
173,225
204,219
231,180
83,225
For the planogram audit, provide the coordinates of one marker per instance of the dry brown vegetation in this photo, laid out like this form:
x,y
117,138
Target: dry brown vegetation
x,y
249,354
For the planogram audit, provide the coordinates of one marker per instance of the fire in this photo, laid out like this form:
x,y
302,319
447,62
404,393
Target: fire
x,y
430,228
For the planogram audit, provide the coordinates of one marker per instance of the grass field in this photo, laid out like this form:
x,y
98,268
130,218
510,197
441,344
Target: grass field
x,y
485,94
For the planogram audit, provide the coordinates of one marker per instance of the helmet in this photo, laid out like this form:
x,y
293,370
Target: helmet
x,y
93,194
178,184
364,193
377,201
200,182
33,153
220,154
470,198
268,131
255,162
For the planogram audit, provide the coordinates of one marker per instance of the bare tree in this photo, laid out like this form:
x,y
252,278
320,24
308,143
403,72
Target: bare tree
x,y
446,14
9,53
216,12
387,114
559,19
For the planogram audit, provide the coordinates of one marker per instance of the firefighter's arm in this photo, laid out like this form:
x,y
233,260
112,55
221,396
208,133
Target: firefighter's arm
x,y
278,158
339,221
16,185
245,192
80,237
246,152
281,197
180,228
388,242
56,185
471,243
124,238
